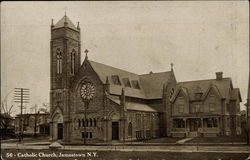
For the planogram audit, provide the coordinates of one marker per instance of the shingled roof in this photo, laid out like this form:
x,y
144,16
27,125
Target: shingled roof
x,y
61,22
222,85
151,85
236,94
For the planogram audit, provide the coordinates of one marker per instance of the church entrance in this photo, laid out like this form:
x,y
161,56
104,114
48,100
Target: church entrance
x,y
115,130
59,131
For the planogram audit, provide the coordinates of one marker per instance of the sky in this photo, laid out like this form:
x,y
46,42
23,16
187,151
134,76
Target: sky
x,y
199,37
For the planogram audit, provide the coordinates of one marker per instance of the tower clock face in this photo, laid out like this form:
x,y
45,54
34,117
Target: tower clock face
x,y
87,91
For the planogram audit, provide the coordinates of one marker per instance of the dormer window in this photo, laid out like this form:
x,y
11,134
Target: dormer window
x,y
171,93
198,92
116,79
135,84
126,82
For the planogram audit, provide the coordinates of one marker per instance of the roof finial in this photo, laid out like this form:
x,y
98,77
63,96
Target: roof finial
x,y
78,25
172,66
86,54
52,23
107,80
65,11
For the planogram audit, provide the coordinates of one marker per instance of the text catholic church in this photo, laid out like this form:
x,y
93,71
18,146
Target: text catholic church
x,y
93,102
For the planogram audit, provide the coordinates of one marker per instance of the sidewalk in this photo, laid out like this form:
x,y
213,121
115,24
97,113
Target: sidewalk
x,y
180,148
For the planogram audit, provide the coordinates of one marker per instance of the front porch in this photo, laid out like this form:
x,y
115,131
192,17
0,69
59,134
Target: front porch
x,y
196,127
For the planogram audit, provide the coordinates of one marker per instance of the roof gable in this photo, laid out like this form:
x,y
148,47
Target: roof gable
x,y
235,94
222,86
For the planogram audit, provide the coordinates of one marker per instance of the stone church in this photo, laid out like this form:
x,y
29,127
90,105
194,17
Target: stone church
x,y
120,105
93,102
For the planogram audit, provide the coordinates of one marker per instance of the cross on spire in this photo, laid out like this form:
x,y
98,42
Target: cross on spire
x,y
86,53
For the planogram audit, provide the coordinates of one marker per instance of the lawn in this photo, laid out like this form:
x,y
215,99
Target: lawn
x,y
163,140
118,155
218,140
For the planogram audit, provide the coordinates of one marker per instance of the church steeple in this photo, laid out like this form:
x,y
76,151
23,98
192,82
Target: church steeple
x,y
65,52
65,22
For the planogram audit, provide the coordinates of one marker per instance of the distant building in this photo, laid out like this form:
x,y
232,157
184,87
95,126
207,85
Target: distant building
x,y
33,124
6,126
99,103
206,108
243,116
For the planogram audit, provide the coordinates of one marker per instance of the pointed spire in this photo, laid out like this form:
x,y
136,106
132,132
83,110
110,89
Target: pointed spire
x,y
65,11
107,80
52,22
122,94
86,54
172,66
65,21
78,25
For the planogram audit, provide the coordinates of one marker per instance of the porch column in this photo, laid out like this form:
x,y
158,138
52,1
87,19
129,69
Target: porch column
x,y
51,131
185,122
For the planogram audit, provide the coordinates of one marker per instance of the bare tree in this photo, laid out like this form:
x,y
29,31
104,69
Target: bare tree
x,y
5,118
44,108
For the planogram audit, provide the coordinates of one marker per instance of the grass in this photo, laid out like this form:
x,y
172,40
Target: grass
x,y
118,155
163,140
227,139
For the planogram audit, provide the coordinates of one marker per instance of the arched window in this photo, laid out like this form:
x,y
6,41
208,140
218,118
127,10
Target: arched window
x,y
90,121
79,123
94,122
87,122
130,129
73,54
83,123
59,61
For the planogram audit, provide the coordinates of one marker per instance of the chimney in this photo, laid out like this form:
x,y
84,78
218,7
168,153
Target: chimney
x,y
219,75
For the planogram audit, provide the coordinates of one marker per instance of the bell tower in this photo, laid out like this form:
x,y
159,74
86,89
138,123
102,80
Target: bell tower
x,y
64,64
64,52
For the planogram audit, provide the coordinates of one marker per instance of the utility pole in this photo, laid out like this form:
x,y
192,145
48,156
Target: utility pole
x,y
21,95
35,126
248,108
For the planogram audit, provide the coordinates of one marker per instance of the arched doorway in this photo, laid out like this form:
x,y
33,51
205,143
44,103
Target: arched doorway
x,y
115,126
57,126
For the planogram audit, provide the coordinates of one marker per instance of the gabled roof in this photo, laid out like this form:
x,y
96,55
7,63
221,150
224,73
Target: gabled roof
x,y
132,105
61,22
222,86
236,94
151,85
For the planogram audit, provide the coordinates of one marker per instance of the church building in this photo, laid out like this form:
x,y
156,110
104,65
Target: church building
x,y
93,102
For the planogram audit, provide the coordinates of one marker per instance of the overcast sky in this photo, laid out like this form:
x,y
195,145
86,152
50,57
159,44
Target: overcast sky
x,y
200,38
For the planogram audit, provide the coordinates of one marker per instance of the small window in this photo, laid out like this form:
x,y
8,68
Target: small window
x,y
181,108
135,84
59,60
73,54
126,82
79,123
211,107
198,108
130,129
90,135
228,122
83,123
116,79
171,93
83,135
